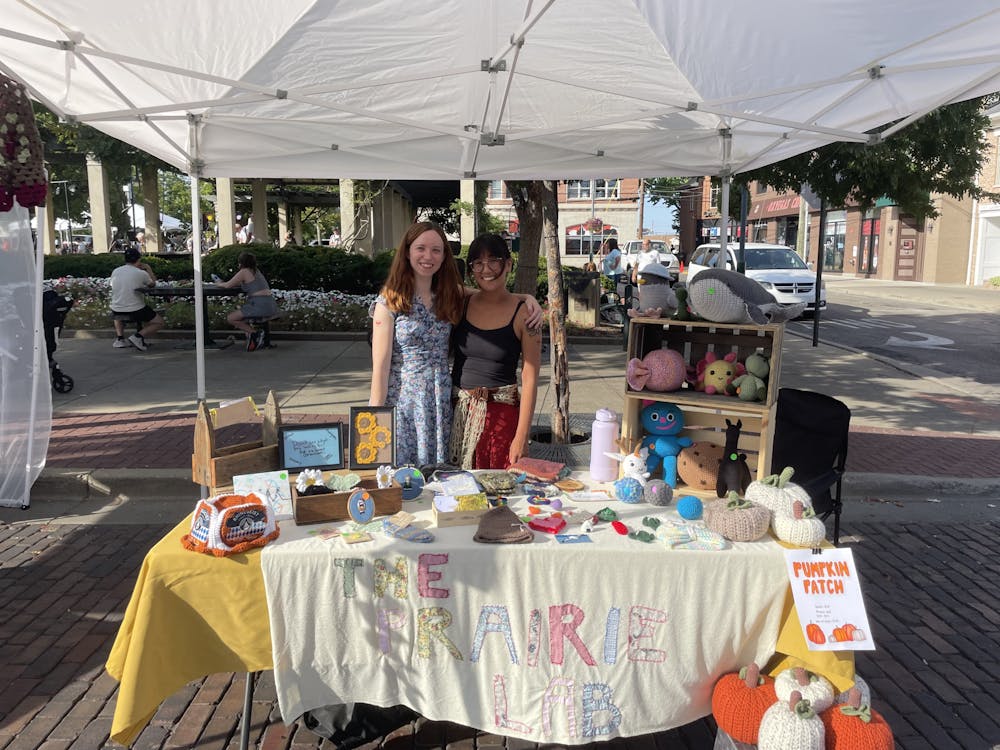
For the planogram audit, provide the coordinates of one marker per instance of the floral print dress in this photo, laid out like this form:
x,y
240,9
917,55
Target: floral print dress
x,y
420,386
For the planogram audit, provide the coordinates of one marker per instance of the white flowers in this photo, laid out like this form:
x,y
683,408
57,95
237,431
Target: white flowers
x,y
308,478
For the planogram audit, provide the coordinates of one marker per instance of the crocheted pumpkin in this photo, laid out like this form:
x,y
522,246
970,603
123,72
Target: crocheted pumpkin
x,y
739,520
860,684
813,687
698,465
777,493
856,726
791,725
802,529
739,701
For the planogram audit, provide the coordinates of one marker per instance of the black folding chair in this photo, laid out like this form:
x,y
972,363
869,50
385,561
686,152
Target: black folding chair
x,y
810,435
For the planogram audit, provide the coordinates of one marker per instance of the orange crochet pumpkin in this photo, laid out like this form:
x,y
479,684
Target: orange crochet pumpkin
x,y
740,700
851,726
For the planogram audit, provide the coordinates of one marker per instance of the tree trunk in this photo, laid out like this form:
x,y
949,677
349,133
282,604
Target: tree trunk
x,y
529,217
544,194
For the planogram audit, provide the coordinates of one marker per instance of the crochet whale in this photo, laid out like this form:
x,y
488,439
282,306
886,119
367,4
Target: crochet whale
x,y
724,296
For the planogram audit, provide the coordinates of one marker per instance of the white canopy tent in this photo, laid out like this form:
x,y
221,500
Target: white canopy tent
x,y
448,89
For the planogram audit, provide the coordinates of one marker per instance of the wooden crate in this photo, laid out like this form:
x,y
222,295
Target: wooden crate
x,y
694,339
458,517
705,415
332,506
215,467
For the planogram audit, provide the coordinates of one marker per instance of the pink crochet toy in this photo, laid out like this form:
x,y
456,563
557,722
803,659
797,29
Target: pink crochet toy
x,y
660,370
713,375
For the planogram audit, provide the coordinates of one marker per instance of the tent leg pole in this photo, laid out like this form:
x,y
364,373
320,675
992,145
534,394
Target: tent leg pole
x,y
247,707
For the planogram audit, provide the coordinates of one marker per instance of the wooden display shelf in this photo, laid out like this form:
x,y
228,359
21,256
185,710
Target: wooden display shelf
x,y
695,339
705,415
332,506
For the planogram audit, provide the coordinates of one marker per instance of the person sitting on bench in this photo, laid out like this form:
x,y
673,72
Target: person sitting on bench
x,y
127,302
260,304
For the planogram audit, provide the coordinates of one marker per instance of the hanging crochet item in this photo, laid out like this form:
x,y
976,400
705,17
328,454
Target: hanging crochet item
x,y
228,524
22,175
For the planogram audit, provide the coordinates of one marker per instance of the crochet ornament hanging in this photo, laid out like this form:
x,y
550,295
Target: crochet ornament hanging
x,y
22,175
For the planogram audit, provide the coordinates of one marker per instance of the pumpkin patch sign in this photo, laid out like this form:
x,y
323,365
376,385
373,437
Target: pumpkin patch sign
x,y
828,599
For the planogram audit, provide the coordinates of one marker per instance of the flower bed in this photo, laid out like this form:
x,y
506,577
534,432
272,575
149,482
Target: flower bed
x,y
302,310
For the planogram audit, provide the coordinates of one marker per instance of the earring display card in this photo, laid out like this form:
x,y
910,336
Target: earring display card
x,y
372,431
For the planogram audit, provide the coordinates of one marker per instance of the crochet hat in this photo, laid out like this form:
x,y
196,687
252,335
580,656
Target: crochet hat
x,y
501,525
227,524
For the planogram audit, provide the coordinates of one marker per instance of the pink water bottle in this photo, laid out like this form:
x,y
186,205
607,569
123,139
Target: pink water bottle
x,y
604,440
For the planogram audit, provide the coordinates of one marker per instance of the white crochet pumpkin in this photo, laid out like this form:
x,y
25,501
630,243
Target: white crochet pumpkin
x,y
791,724
802,528
813,687
777,492
862,686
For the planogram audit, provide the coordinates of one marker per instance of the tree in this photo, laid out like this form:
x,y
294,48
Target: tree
x,y
668,191
939,153
537,206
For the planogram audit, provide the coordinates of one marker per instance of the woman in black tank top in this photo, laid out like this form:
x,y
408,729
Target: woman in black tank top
x,y
492,418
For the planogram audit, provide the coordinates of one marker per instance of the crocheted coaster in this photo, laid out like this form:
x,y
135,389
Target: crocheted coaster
x,y
410,533
680,535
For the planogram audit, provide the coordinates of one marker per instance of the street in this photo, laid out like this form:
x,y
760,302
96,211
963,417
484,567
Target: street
x,y
915,325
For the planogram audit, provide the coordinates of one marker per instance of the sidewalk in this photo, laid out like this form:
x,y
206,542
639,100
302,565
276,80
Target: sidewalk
x,y
118,477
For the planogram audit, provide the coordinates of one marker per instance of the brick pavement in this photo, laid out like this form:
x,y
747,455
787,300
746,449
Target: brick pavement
x,y
932,592
143,440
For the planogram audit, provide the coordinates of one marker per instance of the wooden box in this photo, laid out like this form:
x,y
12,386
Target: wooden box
x,y
215,467
332,506
458,517
695,339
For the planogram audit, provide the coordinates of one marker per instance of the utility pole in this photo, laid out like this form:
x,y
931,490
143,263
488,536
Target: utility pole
x,y
642,204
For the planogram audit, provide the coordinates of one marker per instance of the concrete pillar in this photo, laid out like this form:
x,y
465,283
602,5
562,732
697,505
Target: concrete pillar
x,y
355,221
150,181
467,194
259,211
382,219
224,214
400,218
45,218
297,223
100,205
282,222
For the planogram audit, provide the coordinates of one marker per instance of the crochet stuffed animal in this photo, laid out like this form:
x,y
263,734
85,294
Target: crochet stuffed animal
x,y
714,375
633,464
660,370
683,308
662,423
724,296
734,473
656,299
752,385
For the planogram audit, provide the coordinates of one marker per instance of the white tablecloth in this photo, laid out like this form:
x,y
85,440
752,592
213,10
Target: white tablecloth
x,y
551,642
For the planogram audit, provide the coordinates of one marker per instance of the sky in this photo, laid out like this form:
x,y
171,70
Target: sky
x,y
658,218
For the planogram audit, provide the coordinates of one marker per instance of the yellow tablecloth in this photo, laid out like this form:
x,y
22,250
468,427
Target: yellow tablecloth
x,y
192,615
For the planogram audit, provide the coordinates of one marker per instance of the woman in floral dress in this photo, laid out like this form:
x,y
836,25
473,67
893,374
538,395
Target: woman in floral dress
x,y
421,300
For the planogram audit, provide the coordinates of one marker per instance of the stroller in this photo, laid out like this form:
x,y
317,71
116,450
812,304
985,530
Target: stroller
x,y
54,310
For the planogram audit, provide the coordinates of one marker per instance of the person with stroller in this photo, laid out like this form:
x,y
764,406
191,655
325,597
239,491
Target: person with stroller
x,y
127,283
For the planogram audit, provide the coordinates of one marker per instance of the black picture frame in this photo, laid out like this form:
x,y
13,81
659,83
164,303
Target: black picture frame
x,y
311,446
357,429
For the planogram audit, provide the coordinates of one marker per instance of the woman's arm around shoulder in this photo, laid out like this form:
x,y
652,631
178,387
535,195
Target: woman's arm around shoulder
x,y
383,329
531,351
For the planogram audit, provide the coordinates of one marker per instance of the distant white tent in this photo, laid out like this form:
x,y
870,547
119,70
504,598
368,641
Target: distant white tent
x,y
136,216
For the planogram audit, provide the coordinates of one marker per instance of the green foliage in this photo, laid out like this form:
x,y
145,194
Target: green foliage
x,y
668,191
995,281
939,153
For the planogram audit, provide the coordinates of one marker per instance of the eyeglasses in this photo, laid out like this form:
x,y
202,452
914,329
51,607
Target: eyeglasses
x,y
480,264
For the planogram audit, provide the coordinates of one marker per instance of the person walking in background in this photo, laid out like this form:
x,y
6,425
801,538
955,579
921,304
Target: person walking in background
x,y
240,234
493,418
611,260
126,299
260,302
646,256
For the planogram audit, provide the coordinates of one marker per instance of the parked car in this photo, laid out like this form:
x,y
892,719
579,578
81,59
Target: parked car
x,y
775,267
632,248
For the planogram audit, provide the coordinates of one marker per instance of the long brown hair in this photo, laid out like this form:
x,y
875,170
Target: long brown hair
x,y
446,284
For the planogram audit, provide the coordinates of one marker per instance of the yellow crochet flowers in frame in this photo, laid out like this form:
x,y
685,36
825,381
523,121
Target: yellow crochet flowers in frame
x,y
372,431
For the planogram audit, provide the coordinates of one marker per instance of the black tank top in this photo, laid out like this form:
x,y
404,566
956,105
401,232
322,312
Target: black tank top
x,y
485,358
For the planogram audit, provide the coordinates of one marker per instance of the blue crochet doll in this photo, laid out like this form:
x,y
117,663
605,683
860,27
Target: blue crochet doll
x,y
662,423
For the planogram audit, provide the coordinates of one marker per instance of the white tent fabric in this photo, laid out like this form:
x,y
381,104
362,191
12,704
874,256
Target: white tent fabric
x,y
25,393
432,89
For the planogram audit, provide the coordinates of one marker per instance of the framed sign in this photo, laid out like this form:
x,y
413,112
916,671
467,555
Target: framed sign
x,y
311,446
373,436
